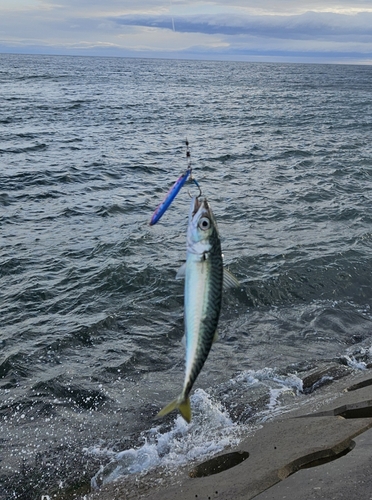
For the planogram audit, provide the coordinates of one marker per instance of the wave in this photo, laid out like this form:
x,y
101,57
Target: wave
x,y
221,419
295,277
28,149
92,316
210,432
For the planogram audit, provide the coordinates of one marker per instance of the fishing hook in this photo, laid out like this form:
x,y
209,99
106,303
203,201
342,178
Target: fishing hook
x,y
197,185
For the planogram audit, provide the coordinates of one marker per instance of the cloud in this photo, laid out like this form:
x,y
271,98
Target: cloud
x,y
203,7
308,32
302,26
178,28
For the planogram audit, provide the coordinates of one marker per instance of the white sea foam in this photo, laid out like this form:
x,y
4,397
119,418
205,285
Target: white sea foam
x,y
210,431
270,376
277,386
354,363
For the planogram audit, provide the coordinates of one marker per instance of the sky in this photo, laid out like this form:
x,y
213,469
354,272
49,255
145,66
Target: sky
x,y
320,31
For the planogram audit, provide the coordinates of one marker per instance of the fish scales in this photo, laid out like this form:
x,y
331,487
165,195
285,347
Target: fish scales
x,y
210,314
203,296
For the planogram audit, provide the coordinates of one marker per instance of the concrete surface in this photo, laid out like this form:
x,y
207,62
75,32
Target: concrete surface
x,y
349,477
334,440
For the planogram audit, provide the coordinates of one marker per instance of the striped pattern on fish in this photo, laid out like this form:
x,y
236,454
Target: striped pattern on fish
x,y
203,296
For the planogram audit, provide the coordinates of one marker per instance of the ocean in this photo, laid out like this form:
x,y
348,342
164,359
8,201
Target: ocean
x,y
91,314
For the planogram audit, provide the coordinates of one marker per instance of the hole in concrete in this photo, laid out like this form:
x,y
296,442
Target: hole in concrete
x,y
314,459
356,410
364,412
326,460
360,385
219,464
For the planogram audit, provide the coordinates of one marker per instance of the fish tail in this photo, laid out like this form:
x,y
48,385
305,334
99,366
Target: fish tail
x,y
182,404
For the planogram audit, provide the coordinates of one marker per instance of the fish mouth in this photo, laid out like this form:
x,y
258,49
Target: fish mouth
x,y
198,203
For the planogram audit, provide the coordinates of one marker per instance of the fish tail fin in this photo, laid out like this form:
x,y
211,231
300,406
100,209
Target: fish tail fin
x,y
182,404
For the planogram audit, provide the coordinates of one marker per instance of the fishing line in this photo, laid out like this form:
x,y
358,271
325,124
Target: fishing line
x,y
170,8
187,174
188,154
191,177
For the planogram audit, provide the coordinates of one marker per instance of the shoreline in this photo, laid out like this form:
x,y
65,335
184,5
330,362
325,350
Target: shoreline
x,y
328,430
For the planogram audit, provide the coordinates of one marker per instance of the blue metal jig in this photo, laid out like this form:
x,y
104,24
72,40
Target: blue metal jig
x,y
174,190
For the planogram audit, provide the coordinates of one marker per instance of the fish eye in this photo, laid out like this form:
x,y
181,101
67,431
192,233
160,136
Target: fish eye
x,y
204,223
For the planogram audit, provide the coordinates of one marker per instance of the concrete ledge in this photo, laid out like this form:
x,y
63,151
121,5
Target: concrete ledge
x,y
300,440
276,451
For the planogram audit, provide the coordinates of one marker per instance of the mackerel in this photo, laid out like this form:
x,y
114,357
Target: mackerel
x,y
203,296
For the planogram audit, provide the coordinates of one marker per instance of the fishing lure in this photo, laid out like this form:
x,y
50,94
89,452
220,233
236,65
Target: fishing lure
x,y
175,189
172,193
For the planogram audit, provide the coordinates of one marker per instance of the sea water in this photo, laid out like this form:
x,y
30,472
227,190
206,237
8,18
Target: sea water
x,y
91,315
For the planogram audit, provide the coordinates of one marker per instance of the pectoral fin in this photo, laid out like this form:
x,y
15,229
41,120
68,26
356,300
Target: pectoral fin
x,y
181,273
229,280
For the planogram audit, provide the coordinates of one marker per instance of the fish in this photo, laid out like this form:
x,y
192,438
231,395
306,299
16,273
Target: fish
x,y
172,193
202,297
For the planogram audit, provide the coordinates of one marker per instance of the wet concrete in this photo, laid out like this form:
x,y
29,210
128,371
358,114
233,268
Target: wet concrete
x,y
321,450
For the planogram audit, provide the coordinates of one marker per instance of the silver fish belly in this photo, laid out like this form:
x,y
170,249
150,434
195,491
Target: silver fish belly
x,y
203,296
